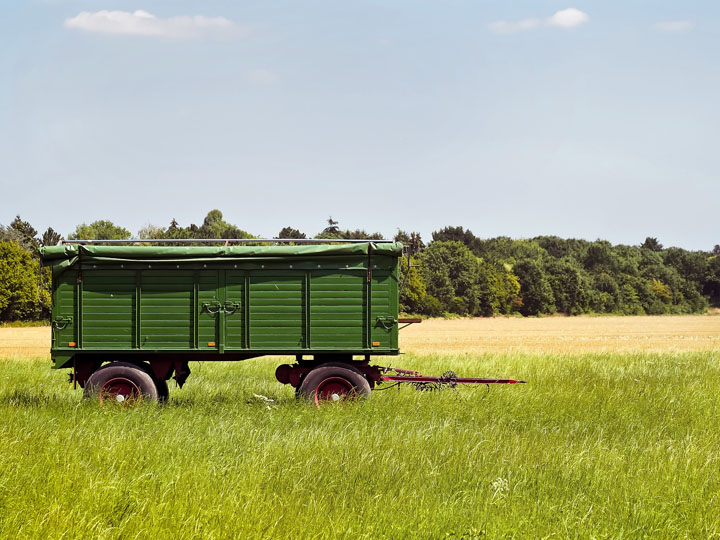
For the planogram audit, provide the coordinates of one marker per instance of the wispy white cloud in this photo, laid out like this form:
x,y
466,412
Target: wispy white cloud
x,y
142,23
568,18
262,76
506,27
565,18
674,26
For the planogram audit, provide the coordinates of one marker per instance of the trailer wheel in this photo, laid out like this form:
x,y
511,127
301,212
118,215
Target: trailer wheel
x,y
162,386
163,391
334,383
123,383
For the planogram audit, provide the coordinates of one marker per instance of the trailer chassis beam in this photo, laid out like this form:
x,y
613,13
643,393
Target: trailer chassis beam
x,y
449,378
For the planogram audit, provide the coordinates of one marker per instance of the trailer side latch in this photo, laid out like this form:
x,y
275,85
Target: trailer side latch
x,y
61,322
230,307
212,307
386,322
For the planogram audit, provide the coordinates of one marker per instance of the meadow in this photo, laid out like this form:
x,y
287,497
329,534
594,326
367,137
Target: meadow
x,y
614,436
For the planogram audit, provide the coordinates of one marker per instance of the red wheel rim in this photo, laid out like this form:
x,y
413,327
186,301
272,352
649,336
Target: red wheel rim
x,y
120,390
334,389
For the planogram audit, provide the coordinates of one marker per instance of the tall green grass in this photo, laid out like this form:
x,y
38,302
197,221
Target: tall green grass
x,y
595,446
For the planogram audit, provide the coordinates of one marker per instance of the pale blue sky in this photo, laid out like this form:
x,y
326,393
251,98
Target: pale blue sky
x,y
503,117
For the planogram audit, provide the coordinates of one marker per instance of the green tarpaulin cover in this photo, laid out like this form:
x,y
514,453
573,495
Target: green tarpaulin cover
x,y
61,257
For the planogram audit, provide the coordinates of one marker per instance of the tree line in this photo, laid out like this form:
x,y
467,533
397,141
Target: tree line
x,y
455,273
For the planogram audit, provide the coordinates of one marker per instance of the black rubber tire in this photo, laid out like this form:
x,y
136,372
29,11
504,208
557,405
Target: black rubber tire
x,y
163,391
319,374
135,374
329,364
341,365
162,386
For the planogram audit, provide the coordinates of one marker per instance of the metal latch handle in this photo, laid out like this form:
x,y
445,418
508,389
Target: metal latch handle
x,y
386,322
212,307
60,323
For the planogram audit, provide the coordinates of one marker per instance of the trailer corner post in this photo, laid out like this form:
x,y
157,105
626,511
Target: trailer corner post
x,y
307,310
222,296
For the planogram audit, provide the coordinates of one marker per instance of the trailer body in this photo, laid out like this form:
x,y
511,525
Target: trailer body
x,y
158,303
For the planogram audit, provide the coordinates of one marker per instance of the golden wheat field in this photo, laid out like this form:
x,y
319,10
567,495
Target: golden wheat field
x,y
26,342
562,335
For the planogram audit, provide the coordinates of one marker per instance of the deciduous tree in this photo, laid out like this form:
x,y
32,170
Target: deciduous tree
x,y
100,230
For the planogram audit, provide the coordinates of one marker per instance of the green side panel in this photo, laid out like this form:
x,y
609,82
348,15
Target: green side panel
x,y
207,285
337,310
235,315
303,306
166,309
384,304
276,310
65,300
108,309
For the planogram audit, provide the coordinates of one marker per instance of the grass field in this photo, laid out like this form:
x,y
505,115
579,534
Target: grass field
x,y
615,436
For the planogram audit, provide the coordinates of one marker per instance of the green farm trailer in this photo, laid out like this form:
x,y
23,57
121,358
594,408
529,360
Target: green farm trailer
x,y
128,318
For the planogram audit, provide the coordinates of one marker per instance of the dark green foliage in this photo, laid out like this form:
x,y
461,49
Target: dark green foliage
x,y
27,234
9,234
214,226
22,233
508,250
495,249
289,232
554,246
413,242
24,284
432,306
50,237
402,237
332,227
465,284
712,280
503,291
151,232
535,291
600,257
454,234
24,294
570,285
100,230
652,244
413,293
692,265
458,272
599,277
27,230
357,234
605,296
332,231
630,303
436,272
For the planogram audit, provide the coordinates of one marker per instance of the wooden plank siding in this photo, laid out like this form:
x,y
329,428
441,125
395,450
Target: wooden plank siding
x,y
108,309
166,309
277,310
337,309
